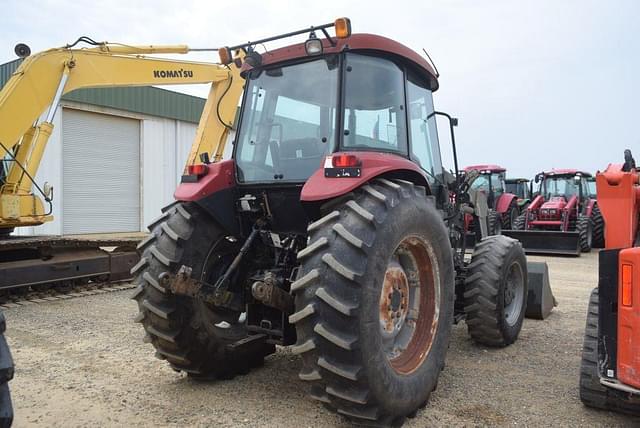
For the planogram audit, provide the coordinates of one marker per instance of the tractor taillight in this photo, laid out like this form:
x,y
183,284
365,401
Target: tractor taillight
x,y
342,165
627,285
345,161
198,169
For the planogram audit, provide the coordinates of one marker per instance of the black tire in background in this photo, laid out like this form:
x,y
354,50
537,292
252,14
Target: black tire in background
x,y
509,217
346,327
598,227
520,221
6,374
495,294
592,392
191,335
495,223
584,227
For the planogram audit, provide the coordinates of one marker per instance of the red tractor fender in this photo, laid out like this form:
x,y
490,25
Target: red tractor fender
x,y
373,164
536,203
504,202
219,176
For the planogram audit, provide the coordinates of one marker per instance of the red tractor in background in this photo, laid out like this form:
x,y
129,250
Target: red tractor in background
x,y
610,368
562,218
502,206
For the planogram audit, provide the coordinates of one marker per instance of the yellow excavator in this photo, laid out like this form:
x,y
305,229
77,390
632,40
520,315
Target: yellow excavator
x,y
28,104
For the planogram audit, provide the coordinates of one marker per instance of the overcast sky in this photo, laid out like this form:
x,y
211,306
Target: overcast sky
x,y
535,84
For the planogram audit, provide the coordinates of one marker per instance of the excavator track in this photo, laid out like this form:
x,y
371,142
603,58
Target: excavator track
x,y
50,267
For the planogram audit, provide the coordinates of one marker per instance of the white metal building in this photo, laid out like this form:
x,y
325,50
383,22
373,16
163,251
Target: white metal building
x,y
112,171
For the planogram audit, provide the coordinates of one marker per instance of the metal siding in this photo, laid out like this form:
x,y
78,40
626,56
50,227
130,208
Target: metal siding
x,y
158,183
101,173
146,100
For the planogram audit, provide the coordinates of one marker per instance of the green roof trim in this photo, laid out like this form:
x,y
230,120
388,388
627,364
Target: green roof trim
x,y
145,100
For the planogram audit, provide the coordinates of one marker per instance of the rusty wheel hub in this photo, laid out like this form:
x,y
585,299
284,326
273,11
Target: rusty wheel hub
x,y
394,301
409,304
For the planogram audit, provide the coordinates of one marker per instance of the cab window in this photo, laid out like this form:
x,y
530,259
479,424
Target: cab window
x,y
374,113
423,133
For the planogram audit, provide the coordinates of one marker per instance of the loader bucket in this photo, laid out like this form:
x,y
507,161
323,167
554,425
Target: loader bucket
x,y
547,241
540,300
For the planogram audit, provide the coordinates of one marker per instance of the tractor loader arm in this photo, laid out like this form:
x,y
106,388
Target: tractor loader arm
x,y
43,78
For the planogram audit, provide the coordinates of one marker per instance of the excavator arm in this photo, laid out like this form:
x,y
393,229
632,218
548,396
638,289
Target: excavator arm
x,y
43,78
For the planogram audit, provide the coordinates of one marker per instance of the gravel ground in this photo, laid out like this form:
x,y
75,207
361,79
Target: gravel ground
x,y
81,362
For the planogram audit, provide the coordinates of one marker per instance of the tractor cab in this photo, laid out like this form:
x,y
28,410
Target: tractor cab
x,y
491,181
521,188
315,116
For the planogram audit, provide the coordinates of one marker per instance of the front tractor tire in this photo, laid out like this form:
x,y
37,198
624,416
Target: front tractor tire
x,y
584,227
520,222
190,335
598,227
495,293
374,303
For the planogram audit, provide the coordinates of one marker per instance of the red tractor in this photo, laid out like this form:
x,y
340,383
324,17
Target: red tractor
x,y
562,218
334,228
502,206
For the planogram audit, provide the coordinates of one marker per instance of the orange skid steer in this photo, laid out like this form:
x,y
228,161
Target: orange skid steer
x,y
610,369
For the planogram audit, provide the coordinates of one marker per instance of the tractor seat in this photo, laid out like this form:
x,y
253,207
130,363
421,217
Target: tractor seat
x,y
300,157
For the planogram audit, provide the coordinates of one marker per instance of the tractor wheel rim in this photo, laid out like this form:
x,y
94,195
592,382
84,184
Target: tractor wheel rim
x,y
513,294
409,304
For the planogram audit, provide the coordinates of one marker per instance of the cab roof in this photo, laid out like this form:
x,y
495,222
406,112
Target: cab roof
x,y
558,172
356,43
492,168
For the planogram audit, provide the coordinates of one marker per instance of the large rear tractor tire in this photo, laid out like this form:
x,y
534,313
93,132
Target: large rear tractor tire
x,y
6,374
495,294
374,303
598,227
584,227
592,392
191,335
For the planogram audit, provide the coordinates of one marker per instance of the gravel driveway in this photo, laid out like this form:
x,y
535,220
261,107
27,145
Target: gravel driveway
x,y
81,362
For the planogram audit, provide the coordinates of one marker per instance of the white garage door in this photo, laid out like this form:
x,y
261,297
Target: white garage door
x,y
101,173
